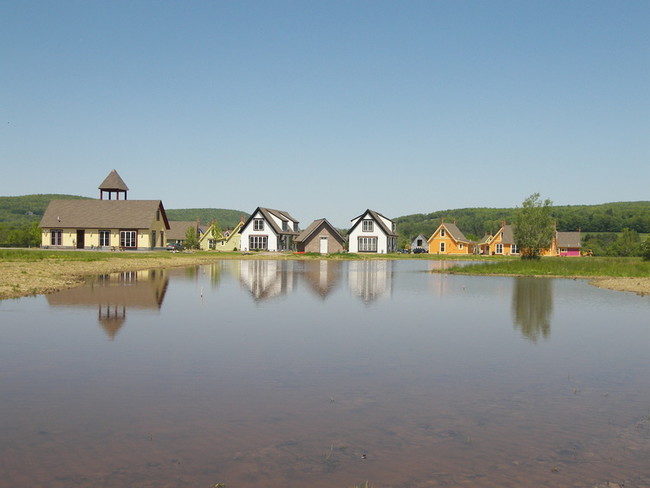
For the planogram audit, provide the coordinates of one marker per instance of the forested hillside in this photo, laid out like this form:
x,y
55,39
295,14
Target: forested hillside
x,y
225,217
475,222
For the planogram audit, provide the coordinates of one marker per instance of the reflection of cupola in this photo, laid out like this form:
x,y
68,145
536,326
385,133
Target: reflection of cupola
x,y
111,318
113,184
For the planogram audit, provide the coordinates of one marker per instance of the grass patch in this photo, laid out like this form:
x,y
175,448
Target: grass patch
x,y
564,267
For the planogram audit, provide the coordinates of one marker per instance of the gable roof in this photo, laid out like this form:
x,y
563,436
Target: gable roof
x,y
568,239
314,226
104,214
113,182
226,235
267,213
377,217
178,228
455,232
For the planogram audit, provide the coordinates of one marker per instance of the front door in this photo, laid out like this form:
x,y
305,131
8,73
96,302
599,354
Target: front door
x,y
323,245
81,234
153,239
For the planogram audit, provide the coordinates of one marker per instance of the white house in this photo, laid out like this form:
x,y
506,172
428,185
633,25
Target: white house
x,y
372,232
269,230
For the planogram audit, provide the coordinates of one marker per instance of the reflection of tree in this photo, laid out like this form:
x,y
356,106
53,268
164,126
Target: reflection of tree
x,y
532,307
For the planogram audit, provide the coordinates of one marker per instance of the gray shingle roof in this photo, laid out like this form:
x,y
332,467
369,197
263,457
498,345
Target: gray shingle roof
x,y
568,239
102,214
113,182
315,225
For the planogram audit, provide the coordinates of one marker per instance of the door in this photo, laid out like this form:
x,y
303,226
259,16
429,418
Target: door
x,y
153,239
81,234
323,245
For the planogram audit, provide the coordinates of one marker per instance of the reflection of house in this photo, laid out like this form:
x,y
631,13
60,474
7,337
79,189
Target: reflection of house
x,y
267,278
177,232
221,240
370,279
113,294
269,230
448,239
123,224
372,232
321,237
322,276
420,242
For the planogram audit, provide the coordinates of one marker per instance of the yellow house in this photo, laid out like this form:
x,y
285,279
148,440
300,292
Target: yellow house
x,y
502,243
105,224
448,239
227,240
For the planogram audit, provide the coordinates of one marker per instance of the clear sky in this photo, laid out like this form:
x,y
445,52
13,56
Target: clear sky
x,y
326,108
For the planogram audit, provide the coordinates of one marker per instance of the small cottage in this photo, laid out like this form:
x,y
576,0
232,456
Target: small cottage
x,y
320,237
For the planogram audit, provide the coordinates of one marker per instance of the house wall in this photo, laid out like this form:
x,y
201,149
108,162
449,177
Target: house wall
x,y
91,237
451,246
313,243
248,231
382,239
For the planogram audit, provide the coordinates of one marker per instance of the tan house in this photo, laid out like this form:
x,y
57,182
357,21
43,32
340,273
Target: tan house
x,y
226,240
448,239
320,237
105,224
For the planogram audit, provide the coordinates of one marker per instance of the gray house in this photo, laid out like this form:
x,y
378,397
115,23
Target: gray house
x,y
420,242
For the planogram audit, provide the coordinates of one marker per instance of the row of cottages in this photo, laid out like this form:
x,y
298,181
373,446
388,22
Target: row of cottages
x,y
276,230
123,224
448,239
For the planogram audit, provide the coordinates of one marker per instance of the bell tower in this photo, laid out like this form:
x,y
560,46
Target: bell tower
x,y
113,183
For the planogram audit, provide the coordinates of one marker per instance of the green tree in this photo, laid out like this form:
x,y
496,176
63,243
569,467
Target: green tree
x,y
191,238
645,250
628,243
533,226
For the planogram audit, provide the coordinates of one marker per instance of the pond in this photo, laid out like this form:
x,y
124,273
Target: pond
x,y
264,373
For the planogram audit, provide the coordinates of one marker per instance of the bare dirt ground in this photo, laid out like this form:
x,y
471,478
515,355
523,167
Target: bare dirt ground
x,y
19,279
640,286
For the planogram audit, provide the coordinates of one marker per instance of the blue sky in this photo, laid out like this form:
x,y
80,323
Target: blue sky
x,y
326,108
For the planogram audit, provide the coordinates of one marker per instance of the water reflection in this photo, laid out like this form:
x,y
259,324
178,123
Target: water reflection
x,y
532,307
370,280
112,294
267,279
322,276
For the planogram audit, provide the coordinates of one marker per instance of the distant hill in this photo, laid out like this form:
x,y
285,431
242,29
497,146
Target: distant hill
x,y
16,211
475,222
225,217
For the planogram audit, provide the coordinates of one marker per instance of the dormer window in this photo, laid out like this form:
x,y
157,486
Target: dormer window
x,y
258,224
285,226
367,226
442,232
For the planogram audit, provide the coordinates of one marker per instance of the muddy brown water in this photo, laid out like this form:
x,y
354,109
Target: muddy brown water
x,y
324,374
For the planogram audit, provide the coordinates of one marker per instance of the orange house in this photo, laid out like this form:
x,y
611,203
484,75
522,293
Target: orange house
x,y
502,243
448,239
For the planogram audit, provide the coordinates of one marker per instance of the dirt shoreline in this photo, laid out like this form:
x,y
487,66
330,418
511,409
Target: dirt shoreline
x,y
21,279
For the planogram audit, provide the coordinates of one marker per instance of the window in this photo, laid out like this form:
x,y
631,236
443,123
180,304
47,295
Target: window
x,y
128,238
212,243
367,226
258,224
499,249
442,232
104,237
514,249
258,242
442,247
367,244
419,243
285,226
56,237
460,245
